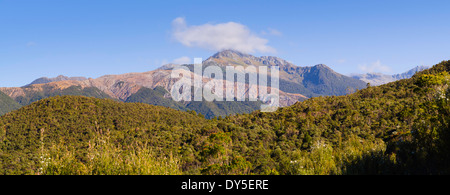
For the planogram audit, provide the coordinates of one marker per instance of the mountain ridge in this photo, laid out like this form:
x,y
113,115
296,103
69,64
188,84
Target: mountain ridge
x,y
296,83
44,80
376,79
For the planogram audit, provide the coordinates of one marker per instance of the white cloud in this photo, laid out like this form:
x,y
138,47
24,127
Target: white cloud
x,y
375,67
219,37
182,60
271,31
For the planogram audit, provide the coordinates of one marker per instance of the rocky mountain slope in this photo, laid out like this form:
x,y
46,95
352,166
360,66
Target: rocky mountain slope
x,y
310,81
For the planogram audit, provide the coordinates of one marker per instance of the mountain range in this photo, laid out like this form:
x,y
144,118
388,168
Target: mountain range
x,y
297,83
376,79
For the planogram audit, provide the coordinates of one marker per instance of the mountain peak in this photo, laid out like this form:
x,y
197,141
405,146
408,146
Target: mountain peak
x,y
169,66
322,66
229,53
62,77
233,58
410,73
275,61
44,80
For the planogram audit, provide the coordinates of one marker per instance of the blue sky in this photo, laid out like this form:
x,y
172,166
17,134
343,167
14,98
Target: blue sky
x,y
94,38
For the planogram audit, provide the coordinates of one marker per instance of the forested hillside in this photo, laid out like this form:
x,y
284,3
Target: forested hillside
x,y
75,123
208,109
7,104
397,128
32,96
155,97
